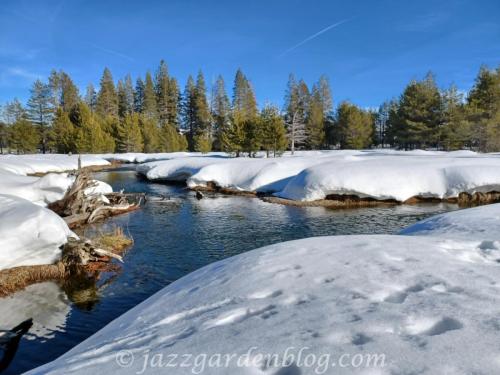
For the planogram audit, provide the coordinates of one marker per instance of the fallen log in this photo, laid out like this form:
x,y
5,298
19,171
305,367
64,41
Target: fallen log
x,y
79,256
77,208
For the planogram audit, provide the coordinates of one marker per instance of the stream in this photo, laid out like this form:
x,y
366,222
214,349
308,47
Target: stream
x,y
173,237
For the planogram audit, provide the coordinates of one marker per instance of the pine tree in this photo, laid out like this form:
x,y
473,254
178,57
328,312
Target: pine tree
x,y
23,136
244,133
355,126
139,95
149,109
483,105
129,134
315,127
107,99
153,140
189,111
125,93
455,132
14,111
420,114
91,97
70,96
221,113
3,136
162,82
296,107
40,111
273,131
89,135
174,99
63,133
64,92
202,125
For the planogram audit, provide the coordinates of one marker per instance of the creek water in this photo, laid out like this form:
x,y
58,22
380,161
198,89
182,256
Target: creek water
x,y
173,237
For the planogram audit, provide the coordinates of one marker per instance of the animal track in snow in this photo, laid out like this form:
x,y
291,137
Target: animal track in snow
x,y
237,315
432,327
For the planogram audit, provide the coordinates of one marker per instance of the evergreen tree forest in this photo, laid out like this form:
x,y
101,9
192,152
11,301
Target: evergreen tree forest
x,y
154,114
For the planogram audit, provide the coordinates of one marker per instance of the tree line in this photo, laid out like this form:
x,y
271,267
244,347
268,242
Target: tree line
x,y
153,115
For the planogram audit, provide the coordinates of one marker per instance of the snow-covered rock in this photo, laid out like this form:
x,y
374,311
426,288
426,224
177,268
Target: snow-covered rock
x,y
421,304
380,174
29,234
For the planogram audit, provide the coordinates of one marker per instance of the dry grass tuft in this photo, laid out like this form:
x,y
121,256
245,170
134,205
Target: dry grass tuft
x,y
115,241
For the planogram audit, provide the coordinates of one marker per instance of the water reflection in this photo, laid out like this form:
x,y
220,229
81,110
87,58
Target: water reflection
x,y
46,303
173,238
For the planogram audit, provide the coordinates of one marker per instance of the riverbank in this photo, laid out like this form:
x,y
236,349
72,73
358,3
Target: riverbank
x,y
341,179
377,294
38,212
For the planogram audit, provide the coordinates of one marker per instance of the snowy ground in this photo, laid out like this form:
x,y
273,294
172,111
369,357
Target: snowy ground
x,y
29,233
380,174
428,303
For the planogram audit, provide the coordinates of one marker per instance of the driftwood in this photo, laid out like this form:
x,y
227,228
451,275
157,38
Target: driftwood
x,y
78,256
78,208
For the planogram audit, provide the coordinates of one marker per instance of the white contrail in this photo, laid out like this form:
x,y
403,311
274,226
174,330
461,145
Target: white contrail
x,y
112,52
315,36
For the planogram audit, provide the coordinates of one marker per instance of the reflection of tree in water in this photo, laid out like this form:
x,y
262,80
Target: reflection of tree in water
x,y
84,289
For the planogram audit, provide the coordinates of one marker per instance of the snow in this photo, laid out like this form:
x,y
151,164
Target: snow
x,y
29,234
428,303
43,163
380,174
475,223
39,190
140,157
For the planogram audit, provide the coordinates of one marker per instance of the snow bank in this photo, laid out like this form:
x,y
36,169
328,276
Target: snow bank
x,y
380,174
44,163
426,303
139,157
245,174
396,177
474,223
29,234
39,190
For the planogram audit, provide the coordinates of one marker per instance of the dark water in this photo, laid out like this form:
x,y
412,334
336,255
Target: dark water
x,y
177,237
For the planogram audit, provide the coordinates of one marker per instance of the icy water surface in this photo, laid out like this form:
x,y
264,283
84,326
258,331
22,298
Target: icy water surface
x,y
173,238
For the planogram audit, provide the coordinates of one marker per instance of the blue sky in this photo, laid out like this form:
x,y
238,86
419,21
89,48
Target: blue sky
x,y
368,49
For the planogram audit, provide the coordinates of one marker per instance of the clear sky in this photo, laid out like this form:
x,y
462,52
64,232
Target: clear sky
x,y
368,49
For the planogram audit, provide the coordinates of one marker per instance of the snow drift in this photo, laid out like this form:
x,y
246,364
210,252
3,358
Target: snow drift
x,y
44,163
379,174
427,303
29,234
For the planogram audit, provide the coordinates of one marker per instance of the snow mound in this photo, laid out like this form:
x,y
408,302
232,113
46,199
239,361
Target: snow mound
x,y
427,304
29,234
396,177
379,174
43,163
139,157
475,223
39,190
245,174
